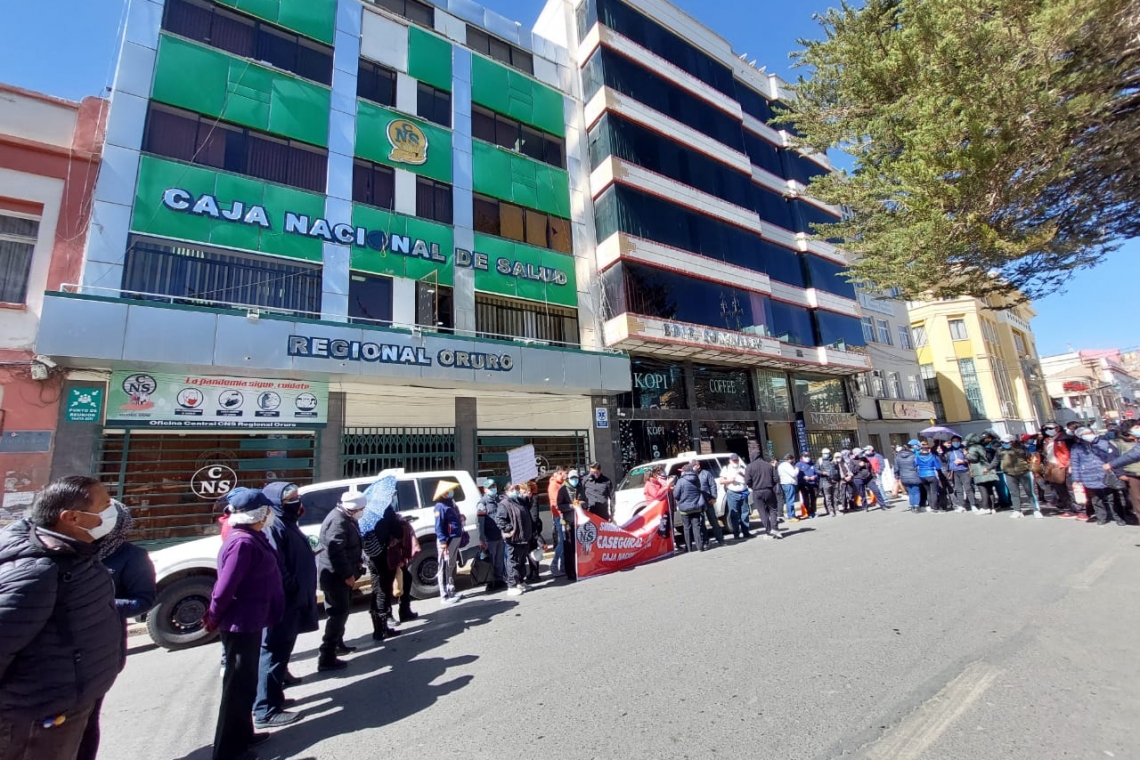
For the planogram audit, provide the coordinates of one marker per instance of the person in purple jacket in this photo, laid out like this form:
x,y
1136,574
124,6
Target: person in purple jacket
x,y
248,596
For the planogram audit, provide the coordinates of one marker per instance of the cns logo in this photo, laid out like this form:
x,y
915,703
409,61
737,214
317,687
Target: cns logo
x,y
139,389
587,534
409,144
213,481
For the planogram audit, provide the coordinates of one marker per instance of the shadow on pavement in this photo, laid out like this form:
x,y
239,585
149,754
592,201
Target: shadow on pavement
x,y
400,683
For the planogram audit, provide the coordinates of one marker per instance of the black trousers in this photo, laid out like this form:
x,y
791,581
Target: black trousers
x,y
767,506
809,492
383,578
338,601
239,690
516,564
693,523
601,510
1100,502
963,488
570,550
713,525
989,492
930,490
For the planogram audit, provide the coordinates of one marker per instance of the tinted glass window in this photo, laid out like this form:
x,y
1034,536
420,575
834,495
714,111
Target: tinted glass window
x,y
319,503
434,104
644,85
373,184
782,264
376,83
808,215
615,136
799,167
722,389
827,275
773,208
764,154
656,385
370,299
838,330
753,103
656,38
406,495
792,324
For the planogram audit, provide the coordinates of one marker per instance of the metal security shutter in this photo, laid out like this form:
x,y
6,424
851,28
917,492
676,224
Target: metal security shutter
x,y
151,474
367,451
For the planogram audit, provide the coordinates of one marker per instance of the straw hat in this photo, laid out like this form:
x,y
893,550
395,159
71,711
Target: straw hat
x,y
443,487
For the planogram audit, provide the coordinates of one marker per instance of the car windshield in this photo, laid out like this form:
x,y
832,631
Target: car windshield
x,y
635,478
319,503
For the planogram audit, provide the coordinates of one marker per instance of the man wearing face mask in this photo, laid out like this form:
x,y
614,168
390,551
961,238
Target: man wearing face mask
x,y
828,481
449,538
958,469
514,520
299,579
1089,457
1013,462
1127,465
247,598
338,567
61,637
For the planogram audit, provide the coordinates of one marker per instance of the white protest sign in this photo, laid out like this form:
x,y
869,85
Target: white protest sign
x,y
524,466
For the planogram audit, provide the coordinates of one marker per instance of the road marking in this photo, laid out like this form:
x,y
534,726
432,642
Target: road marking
x,y
914,736
1092,573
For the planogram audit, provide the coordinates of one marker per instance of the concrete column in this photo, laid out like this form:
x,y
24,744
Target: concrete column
x,y
76,444
342,146
606,440
466,432
328,464
464,224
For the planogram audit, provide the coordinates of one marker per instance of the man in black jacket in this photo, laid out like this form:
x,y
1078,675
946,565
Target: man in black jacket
x,y
599,491
762,480
570,494
338,567
61,638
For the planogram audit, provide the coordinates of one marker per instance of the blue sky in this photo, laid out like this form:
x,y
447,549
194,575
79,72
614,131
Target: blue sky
x,y
79,60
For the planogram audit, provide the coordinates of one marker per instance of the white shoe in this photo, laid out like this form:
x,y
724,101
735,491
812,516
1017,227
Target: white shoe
x,y
515,591
1016,513
987,511
959,509
1038,515
447,601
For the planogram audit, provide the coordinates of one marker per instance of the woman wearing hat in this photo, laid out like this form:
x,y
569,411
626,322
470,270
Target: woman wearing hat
x,y
247,598
449,537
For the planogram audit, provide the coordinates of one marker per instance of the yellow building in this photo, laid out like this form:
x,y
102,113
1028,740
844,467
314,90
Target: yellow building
x,y
980,365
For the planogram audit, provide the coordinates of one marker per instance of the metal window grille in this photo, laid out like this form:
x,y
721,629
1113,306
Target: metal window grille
x,y
367,451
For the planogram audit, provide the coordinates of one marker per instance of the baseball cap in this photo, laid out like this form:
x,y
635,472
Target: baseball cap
x,y
489,482
573,474
914,442
734,457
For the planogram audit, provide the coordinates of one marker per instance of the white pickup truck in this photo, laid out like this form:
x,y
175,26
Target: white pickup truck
x,y
186,572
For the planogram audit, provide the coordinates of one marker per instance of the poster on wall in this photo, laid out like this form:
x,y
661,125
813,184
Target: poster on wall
x,y
160,400
604,547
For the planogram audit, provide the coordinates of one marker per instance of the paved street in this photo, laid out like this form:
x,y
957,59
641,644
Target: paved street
x,y
884,636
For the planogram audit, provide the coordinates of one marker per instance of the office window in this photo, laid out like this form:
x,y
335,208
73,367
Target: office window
x,y
251,38
972,388
373,184
863,384
497,317
931,390
413,10
433,200
434,104
435,306
376,83
878,384
198,275
894,385
515,136
202,140
904,337
868,329
884,331
763,154
773,394
918,332
753,103
504,52
958,330
914,384
1019,343
369,299
828,276
837,331
525,225
17,244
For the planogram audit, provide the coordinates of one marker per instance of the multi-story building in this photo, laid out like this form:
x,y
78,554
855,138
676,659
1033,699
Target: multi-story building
x,y
890,399
1096,386
741,328
979,364
330,237
49,158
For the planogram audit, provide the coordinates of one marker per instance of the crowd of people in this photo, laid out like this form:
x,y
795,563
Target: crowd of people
x,y
69,579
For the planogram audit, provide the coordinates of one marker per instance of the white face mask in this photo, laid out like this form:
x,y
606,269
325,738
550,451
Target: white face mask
x,y
1088,438
109,519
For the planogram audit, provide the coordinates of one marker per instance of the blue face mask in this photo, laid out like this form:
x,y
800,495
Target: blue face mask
x,y
573,481
957,444
1007,445
492,491
1110,435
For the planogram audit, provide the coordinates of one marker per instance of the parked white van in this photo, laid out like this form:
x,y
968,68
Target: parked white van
x,y
629,499
186,572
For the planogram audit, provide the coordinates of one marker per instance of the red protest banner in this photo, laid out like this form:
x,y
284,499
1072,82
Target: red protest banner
x,y
605,547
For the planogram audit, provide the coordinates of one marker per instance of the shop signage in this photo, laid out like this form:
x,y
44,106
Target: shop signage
x,y
504,266
408,141
651,381
394,353
167,400
1075,386
830,421
84,404
601,418
801,432
713,337
906,410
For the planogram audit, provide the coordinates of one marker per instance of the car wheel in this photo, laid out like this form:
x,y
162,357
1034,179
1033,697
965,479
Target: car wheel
x,y
176,620
424,570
